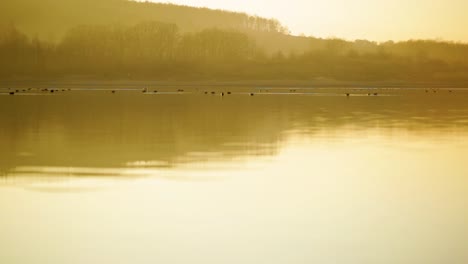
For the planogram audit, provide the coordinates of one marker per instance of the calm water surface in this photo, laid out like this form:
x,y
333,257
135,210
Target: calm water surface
x,y
307,177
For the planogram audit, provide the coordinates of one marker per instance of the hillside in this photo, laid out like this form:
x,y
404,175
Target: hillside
x,y
51,19
116,38
54,17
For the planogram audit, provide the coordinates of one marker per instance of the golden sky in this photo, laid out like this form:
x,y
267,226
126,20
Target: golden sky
x,y
358,19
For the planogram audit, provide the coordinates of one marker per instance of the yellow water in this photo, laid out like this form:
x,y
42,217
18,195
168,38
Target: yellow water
x,y
184,177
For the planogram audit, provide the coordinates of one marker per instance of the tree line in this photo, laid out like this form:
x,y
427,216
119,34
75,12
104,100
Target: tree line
x,y
51,19
156,50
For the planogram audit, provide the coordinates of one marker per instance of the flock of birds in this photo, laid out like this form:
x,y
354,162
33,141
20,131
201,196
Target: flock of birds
x,y
146,90
291,91
29,90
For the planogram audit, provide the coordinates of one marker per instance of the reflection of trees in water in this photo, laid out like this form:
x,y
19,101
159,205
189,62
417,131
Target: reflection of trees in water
x,y
97,129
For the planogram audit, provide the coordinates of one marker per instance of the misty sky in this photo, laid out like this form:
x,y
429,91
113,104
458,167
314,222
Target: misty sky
x,y
358,19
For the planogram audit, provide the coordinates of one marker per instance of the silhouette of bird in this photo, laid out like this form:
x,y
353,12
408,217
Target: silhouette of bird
x,y
376,94
251,94
228,92
212,92
222,94
347,94
12,93
113,91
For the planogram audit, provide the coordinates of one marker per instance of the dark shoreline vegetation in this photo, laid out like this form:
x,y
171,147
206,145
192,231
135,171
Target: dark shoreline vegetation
x,y
120,40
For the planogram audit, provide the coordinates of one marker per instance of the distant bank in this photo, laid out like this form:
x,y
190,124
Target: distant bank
x,y
117,39
140,84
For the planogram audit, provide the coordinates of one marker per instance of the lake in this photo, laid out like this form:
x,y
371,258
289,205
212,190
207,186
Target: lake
x,y
261,175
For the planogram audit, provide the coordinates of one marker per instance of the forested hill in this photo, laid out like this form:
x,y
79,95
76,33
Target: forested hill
x,y
52,18
51,39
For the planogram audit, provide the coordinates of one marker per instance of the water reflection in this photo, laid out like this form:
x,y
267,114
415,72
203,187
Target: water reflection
x,y
95,177
82,133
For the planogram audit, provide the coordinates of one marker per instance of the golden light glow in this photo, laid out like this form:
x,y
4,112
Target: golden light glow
x,y
318,201
378,20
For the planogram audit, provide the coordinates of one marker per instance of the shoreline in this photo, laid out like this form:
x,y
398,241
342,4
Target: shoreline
x,y
137,84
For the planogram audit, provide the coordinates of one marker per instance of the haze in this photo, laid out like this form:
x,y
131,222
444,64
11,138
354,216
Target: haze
x,y
378,20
